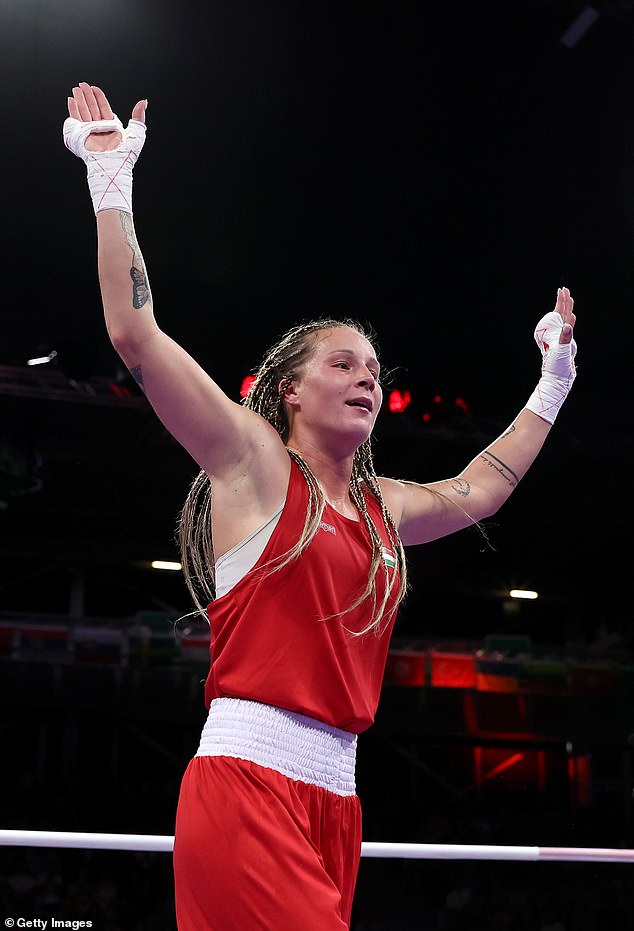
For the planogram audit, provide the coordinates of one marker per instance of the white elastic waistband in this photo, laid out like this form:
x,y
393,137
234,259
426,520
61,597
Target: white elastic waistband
x,y
293,744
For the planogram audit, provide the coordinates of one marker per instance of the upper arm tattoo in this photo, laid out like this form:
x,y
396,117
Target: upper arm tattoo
x,y
141,293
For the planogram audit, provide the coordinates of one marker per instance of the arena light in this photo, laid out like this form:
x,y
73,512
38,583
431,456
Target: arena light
x,y
43,360
523,593
166,564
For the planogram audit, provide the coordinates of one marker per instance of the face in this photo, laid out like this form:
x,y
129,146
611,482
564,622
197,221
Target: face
x,y
337,394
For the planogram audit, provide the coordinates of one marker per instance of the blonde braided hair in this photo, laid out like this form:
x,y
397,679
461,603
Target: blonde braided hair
x,y
266,397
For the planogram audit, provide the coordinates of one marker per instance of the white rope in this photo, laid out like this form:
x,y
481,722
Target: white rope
x,y
157,843
163,843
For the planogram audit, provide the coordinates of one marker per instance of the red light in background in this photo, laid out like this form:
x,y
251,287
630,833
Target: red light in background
x,y
120,390
503,766
452,670
437,406
462,404
398,401
247,381
580,778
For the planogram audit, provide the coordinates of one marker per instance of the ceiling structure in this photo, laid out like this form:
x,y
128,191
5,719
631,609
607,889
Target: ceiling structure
x,y
436,170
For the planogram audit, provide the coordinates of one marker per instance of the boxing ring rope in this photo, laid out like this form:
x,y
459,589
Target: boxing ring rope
x,y
163,843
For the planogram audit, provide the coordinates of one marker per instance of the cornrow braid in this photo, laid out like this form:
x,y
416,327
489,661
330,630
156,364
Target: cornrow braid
x,y
266,397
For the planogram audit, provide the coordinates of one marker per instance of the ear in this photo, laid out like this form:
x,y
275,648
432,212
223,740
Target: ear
x,y
287,389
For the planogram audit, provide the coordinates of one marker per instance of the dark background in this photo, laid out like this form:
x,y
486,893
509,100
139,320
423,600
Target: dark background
x,y
436,170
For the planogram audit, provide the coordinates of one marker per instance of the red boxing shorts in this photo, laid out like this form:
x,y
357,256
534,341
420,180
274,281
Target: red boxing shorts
x,y
258,850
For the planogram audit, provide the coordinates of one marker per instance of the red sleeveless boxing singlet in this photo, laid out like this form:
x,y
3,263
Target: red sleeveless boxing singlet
x,y
269,640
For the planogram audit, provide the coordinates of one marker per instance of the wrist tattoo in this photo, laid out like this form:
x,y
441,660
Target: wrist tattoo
x,y
461,486
494,463
137,374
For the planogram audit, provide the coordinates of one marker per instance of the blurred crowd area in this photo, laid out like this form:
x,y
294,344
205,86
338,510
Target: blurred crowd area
x,y
125,891
119,891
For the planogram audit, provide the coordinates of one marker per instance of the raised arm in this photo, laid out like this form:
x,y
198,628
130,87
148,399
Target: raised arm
x,y
220,434
486,483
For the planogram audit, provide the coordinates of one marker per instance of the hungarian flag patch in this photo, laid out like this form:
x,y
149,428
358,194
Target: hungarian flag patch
x,y
388,558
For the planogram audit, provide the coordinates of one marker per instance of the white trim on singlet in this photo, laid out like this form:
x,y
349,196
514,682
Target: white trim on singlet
x,y
236,562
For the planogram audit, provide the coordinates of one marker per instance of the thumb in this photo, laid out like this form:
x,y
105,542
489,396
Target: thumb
x,y
566,334
138,112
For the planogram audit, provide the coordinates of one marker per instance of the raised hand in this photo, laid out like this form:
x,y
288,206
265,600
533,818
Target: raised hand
x,y
556,327
89,104
94,133
553,335
564,307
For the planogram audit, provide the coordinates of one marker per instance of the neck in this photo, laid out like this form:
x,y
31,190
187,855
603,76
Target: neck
x,y
332,473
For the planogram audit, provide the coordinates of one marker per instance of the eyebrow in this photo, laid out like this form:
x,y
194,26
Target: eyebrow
x,y
351,352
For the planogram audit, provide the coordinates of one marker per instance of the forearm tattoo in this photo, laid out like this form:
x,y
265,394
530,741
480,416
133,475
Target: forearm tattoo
x,y
493,462
140,288
461,486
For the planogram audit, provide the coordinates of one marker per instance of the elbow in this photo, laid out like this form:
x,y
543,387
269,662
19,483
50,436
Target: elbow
x,y
124,345
490,504
130,345
495,502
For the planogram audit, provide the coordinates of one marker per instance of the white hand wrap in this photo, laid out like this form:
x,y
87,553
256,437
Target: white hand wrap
x,y
558,368
109,173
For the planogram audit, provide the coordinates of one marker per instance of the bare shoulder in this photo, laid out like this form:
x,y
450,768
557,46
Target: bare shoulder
x,y
393,493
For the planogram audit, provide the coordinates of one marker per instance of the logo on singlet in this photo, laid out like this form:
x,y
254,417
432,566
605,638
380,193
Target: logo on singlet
x,y
329,528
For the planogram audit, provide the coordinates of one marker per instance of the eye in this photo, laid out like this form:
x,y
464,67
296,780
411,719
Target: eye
x,y
345,365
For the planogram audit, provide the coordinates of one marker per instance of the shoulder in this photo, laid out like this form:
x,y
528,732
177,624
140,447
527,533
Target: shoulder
x,y
421,512
393,493
256,479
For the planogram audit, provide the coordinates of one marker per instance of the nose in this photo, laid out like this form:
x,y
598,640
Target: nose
x,y
367,380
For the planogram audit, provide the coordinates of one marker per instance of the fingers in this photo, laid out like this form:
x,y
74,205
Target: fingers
x,y
86,103
83,113
89,103
102,102
138,112
564,307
